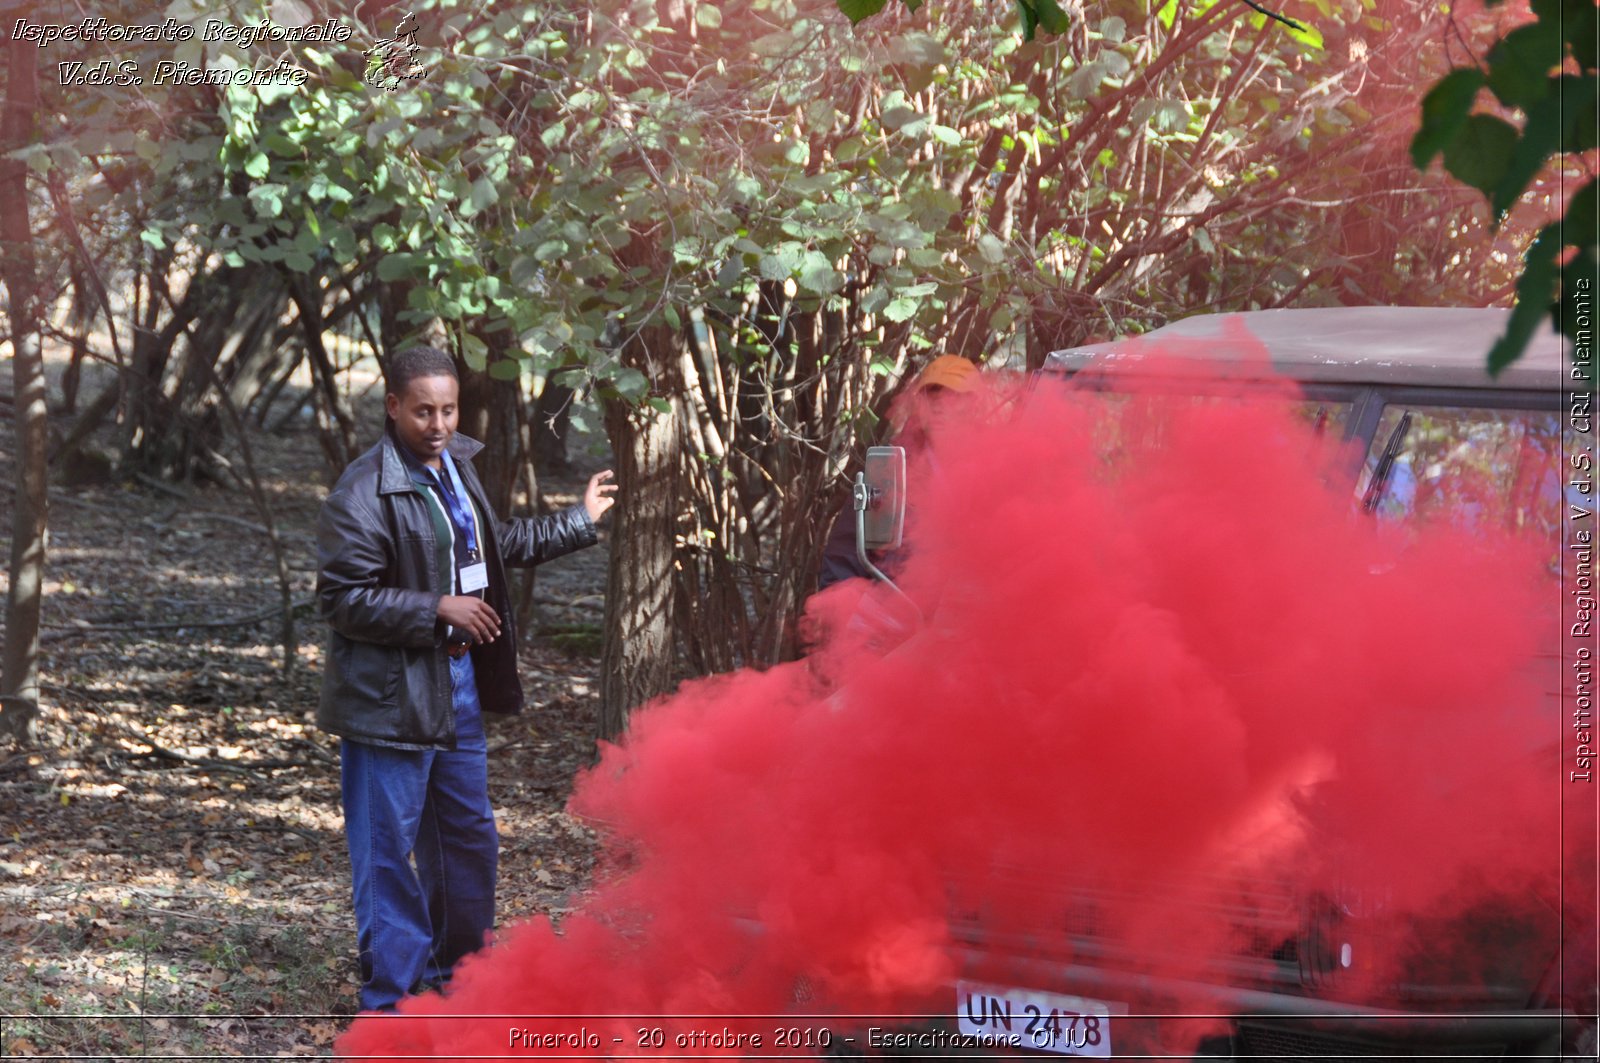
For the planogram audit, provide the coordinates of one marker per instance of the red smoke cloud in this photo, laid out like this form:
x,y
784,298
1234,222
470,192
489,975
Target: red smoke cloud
x,y
1140,665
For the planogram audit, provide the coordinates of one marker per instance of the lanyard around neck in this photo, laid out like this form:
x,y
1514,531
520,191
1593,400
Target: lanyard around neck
x,y
455,497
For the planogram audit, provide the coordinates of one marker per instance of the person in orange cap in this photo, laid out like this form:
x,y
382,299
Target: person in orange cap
x,y
912,415
950,372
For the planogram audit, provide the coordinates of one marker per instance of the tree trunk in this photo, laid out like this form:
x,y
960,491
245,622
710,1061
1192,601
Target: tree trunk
x,y
636,661
336,426
19,686
81,318
143,412
552,420
491,412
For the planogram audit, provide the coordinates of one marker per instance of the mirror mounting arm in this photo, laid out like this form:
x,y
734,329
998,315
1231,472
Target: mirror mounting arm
x,y
864,497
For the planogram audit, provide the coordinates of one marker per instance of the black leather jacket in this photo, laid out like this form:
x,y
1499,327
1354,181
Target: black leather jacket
x,y
387,680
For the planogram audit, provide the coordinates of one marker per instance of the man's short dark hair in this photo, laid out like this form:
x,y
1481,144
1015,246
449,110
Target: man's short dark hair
x,y
413,363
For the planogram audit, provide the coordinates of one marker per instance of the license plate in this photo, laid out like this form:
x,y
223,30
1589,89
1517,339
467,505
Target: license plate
x,y
1045,1022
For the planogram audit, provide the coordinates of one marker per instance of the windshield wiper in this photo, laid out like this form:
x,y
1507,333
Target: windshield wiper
x,y
1380,474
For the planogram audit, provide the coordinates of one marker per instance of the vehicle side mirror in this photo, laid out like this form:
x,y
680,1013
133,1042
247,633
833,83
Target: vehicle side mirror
x,y
880,505
880,499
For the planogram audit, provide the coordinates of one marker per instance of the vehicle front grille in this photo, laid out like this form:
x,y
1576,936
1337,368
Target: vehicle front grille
x,y
1277,1042
1091,918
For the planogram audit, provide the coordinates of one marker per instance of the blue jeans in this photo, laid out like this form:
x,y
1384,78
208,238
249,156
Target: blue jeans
x,y
423,852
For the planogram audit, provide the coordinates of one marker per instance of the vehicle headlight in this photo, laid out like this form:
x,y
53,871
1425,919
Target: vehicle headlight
x,y
1343,937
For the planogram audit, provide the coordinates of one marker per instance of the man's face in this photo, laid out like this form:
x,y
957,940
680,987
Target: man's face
x,y
929,411
425,415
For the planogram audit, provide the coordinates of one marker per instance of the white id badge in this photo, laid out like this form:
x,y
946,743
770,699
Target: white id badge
x,y
474,577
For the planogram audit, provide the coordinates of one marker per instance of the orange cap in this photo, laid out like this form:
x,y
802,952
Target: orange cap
x,y
947,371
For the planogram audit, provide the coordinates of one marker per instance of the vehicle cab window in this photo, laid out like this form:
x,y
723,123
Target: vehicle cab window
x,y
1469,466
1141,423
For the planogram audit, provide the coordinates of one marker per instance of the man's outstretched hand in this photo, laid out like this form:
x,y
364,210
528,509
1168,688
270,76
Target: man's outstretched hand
x,y
598,497
472,615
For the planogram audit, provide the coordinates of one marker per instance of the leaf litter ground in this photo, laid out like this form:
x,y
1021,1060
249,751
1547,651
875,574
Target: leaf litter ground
x,y
173,875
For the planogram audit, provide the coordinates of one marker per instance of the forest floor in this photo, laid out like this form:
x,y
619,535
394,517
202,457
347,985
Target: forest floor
x,y
173,873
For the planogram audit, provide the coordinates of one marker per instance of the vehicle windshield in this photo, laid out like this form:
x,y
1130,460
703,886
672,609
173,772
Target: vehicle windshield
x,y
1133,428
1471,467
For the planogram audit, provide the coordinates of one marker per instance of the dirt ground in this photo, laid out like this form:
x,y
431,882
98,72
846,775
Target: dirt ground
x,y
173,875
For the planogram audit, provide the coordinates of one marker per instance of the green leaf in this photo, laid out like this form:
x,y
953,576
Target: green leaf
x,y
708,16
1087,78
900,117
916,49
1582,99
1582,219
474,351
299,261
1028,17
403,266
902,309
992,248
856,10
279,144
1520,64
258,165
1306,34
818,275
484,194
506,369
1536,290
272,93
1579,19
378,130
780,42
342,244
552,134
1541,138
1444,112
780,263
1574,315
631,384
1051,17
1481,154
268,199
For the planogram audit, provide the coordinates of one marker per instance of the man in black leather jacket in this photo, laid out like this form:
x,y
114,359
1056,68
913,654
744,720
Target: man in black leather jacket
x,y
412,582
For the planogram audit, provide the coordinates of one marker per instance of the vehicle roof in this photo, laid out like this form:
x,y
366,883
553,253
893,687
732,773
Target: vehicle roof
x,y
1405,345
